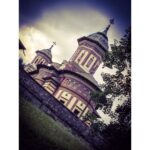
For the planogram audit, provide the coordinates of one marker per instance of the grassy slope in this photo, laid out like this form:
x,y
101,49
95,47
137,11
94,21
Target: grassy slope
x,y
40,132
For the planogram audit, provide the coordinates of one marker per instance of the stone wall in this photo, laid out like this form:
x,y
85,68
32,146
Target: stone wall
x,y
32,91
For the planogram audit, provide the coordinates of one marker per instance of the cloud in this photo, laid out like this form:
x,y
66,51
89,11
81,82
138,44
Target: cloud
x,y
64,26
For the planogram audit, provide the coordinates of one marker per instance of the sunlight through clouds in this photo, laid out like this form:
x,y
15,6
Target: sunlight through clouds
x,y
64,26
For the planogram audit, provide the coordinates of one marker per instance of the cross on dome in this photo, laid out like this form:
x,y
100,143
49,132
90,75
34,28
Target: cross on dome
x,y
111,21
54,43
47,52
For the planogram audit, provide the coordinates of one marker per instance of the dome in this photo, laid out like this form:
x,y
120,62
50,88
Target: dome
x,y
101,38
47,52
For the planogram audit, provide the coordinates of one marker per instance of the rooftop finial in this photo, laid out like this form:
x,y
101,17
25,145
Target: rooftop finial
x,y
54,43
111,21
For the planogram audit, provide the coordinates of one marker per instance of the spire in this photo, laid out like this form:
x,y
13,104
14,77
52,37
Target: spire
x,y
54,43
111,21
48,51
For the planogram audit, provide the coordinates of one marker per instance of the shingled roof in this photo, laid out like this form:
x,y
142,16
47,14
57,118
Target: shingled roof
x,y
46,52
89,77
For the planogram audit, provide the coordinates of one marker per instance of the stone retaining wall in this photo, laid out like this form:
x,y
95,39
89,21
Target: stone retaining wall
x,y
32,91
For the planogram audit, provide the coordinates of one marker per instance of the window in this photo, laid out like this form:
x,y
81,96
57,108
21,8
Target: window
x,y
89,62
96,66
62,101
43,61
80,57
37,59
88,123
76,112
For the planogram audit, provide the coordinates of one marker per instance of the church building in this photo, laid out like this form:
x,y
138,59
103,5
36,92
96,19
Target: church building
x,y
72,82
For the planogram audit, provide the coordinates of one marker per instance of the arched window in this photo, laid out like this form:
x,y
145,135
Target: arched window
x,y
89,62
42,61
37,60
80,57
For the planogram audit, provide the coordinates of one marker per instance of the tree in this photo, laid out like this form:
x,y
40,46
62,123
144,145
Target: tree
x,y
117,86
118,134
99,98
119,58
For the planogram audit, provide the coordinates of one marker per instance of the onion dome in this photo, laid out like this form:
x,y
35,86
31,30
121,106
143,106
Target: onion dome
x,y
100,38
47,52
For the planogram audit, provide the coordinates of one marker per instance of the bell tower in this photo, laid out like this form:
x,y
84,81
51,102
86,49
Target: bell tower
x,y
43,56
91,50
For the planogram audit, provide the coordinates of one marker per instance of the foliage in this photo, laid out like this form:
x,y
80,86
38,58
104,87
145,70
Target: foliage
x,y
118,134
118,85
99,99
124,112
119,58
90,117
98,126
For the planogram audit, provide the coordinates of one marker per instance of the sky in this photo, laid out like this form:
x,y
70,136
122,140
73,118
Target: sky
x,y
42,22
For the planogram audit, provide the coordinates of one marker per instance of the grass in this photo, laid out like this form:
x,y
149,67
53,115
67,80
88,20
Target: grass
x,y
38,131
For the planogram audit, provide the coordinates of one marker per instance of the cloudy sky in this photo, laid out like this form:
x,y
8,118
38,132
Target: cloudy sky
x,y
64,21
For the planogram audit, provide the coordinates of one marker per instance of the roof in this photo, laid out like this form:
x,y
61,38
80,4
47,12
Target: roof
x,y
93,41
77,66
56,65
33,66
46,52
83,73
89,77
100,34
53,77
101,38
